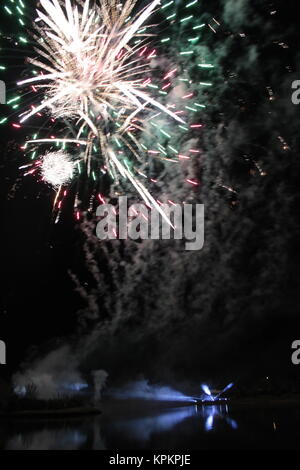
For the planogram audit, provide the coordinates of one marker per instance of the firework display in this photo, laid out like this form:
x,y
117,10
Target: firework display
x,y
97,82
150,238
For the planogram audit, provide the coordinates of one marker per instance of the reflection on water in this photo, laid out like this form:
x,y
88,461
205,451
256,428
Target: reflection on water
x,y
48,439
142,427
213,414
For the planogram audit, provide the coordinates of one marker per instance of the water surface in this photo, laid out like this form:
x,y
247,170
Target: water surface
x,y
137,425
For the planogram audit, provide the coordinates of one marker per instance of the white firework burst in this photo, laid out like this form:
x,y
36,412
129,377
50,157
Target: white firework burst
x,y
57,168
91,75
89,64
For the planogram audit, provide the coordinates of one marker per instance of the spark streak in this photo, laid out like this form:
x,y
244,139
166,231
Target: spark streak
x,y
89,75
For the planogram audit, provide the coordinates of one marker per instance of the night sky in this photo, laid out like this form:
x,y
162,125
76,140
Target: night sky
x,y
227,312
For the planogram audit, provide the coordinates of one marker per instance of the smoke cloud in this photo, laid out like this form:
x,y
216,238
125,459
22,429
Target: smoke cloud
x,y
153,308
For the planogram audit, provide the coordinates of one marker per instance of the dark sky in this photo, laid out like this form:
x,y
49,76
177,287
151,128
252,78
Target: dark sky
x,y
37,296
231,309
37,291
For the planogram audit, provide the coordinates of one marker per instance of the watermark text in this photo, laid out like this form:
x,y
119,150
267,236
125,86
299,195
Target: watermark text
x,y
139,222
2,353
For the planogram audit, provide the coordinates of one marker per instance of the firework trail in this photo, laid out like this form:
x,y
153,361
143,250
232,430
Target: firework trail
x,y
93,77
90,75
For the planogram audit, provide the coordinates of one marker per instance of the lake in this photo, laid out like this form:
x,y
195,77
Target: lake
x,y
154,426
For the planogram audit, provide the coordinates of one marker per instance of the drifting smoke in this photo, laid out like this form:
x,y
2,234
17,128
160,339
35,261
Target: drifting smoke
x,y
100,377
50,375
143,390
170,313
194,309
